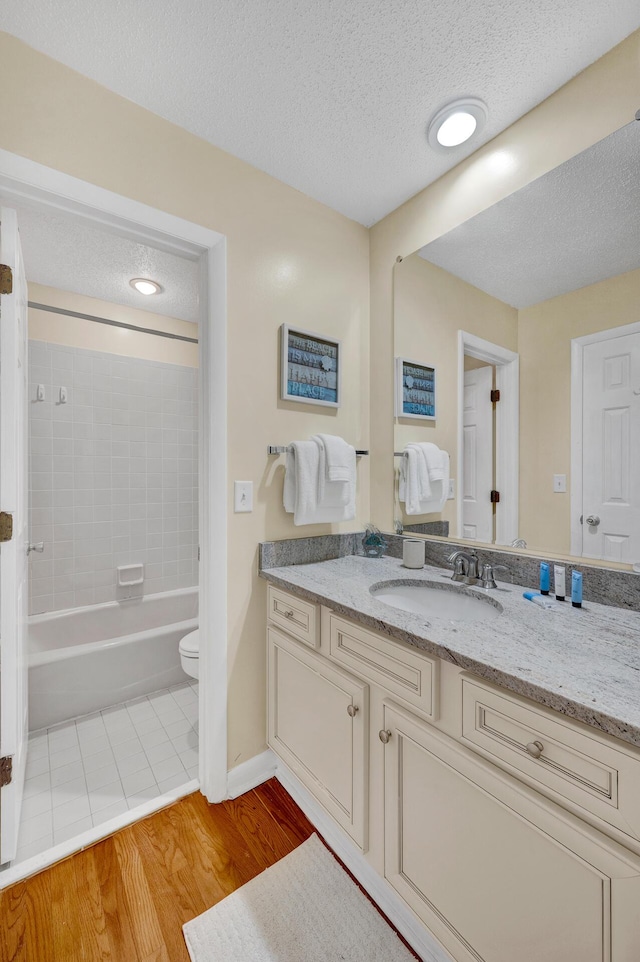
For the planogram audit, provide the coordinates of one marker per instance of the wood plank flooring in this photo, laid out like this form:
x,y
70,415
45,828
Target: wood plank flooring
x,y
126,898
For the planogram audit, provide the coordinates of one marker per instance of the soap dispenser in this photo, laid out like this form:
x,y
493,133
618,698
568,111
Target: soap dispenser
x,y
373,543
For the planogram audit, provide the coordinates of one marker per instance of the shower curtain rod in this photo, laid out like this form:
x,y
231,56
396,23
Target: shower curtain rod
x,y
106,320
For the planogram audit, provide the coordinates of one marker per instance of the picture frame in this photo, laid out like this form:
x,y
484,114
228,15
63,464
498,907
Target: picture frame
x,y
415,390
311,367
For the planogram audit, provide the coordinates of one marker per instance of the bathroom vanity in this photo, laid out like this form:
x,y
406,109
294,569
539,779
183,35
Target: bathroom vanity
x,y
484,761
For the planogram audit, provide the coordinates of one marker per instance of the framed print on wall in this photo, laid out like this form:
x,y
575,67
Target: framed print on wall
x,y
310,367
415,390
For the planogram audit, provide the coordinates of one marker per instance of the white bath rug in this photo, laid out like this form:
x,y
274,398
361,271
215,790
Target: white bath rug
x,y
305,908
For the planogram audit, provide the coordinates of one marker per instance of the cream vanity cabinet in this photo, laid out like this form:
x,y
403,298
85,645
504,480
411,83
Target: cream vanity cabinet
x,y
497,870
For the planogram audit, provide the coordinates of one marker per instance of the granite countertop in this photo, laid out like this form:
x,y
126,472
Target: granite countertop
x,y
583,662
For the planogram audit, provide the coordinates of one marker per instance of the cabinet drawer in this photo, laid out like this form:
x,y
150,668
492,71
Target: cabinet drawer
x,y
403,672
556,754
298,617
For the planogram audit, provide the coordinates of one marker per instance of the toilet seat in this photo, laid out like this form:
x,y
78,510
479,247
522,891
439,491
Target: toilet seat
x,y
190,644
189,649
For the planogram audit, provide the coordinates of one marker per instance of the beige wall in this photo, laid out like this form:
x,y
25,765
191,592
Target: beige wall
x,y
430,307
75,332
544,342
595,103
290,259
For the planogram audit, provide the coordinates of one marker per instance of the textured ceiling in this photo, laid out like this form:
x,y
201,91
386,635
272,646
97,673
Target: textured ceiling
x,y
63,251
330,96
577,225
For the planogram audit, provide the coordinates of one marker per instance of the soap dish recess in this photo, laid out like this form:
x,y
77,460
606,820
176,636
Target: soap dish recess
x,y
129,575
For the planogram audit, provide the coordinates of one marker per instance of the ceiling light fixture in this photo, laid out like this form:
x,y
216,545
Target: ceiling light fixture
x,y
144,286
456,123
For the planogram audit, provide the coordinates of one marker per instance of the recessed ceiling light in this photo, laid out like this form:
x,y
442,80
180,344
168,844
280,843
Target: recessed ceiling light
x,y
456,123
144,286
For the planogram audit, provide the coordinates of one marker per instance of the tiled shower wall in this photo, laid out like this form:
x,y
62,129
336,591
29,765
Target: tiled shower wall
x,y
113,475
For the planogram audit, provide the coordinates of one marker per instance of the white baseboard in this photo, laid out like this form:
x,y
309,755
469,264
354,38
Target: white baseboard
x,y
411,929
251,773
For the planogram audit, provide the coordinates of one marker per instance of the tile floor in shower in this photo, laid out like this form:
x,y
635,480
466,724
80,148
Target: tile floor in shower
x,y
81,773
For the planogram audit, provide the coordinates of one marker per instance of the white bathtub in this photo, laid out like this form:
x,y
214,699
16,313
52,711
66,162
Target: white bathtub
x,y
85,659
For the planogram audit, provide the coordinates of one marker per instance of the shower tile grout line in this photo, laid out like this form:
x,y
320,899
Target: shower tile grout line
x,y
58,806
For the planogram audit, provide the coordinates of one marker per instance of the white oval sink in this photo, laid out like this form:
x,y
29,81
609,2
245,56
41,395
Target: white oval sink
x,y
436,601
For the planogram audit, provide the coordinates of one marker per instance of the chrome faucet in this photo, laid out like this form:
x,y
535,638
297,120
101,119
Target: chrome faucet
x,y
465,567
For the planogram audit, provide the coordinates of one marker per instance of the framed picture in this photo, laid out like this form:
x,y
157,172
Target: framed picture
x,y
310,367
415,390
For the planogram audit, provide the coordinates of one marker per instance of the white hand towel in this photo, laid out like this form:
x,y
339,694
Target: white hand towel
x,y
432,456
422,471
300,494
334,493
340,457
410,485
409,489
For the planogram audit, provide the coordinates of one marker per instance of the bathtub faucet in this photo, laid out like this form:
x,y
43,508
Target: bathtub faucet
x,y
37,546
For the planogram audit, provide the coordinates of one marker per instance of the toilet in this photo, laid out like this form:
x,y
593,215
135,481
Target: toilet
x,y
189,649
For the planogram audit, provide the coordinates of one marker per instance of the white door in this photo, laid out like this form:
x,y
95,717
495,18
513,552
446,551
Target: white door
x,y
13,553
477,455
611,449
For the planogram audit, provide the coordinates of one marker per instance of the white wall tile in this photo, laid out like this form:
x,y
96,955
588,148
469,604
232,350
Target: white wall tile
x,y
113,475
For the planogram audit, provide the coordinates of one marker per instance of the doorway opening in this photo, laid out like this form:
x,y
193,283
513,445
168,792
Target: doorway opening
x,y
488,441
45,192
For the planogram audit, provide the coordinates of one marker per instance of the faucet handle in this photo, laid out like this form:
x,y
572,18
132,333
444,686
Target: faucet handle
x,y
488,576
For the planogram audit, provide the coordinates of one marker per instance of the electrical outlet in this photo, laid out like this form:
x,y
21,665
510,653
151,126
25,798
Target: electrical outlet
x,y
560,483
452,490
242,496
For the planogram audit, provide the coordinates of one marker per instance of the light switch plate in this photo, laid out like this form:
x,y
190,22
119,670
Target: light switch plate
x,y
560,483
242,496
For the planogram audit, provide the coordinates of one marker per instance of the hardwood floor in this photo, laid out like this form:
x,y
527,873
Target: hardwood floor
x,y
126,898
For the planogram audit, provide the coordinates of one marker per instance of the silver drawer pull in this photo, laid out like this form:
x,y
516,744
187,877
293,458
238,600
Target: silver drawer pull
x,y
352,710
384,736
535,749
288,614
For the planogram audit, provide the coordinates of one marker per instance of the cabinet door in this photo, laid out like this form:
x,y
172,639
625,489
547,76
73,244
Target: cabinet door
x,y
494,875
318,725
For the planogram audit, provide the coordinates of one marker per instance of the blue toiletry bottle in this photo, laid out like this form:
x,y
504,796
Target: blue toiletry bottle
x,y
545,578
576,589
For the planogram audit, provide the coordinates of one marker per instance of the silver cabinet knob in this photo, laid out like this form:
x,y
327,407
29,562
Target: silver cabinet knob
x,y
535,749
288,614
352,710
384,736
593,520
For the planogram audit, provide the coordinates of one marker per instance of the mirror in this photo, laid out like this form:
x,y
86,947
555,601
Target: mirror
x,y
535,301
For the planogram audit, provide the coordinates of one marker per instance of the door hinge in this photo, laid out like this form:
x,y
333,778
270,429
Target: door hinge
x,y
495,497
495,396
6,279
6,526
6,770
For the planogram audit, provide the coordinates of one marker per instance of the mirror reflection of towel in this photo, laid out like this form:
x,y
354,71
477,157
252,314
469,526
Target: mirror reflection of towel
x,y
424,478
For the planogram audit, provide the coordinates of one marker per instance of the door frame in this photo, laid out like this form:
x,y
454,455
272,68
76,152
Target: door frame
x,y
33,184
578,345
507,437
